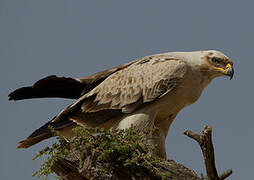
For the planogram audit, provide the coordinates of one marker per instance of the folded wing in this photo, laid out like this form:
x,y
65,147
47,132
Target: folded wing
x,y
126,90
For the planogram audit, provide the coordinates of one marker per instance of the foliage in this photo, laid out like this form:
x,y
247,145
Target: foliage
x,y
121,148
52,152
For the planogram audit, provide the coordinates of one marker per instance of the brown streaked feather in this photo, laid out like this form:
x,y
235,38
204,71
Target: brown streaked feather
x,y
103,74
96,119
145,81
127,89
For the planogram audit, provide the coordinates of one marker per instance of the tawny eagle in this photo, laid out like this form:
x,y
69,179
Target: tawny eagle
x,y
148,92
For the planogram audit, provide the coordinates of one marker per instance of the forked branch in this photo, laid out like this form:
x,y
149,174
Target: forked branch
x,y
205,141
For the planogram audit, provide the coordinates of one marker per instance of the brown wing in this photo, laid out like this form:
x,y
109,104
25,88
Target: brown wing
x,y
62,87
125,90
142,82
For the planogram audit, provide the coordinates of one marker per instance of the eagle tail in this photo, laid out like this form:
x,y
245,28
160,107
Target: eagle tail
x,y
45,132
33,140
37,136
51,86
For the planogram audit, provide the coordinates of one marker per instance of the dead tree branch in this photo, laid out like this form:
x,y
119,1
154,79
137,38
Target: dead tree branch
x,y
205,141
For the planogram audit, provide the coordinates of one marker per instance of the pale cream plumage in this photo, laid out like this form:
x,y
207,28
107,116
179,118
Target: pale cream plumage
x,y
146,92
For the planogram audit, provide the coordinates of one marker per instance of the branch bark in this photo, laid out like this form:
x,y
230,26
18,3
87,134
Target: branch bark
x,y
66,170
205,141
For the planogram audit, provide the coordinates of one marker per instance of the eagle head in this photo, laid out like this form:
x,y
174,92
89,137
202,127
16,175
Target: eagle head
x,y
218,64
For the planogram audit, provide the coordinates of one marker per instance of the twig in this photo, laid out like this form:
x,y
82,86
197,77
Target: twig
x,y
66,170
205,141
225,174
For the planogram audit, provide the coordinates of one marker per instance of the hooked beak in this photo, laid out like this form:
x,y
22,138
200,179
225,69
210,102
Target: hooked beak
x,y
228,71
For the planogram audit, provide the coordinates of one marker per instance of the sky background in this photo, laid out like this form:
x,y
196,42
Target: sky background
x,y
76,38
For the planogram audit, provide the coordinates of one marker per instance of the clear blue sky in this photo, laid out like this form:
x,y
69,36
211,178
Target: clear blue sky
x,y
79,37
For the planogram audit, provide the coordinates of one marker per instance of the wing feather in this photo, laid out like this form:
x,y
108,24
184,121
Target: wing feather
x,y
126,89
143,82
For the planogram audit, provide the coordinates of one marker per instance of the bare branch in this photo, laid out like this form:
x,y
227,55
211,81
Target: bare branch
x,y
193,135
205,141
225,174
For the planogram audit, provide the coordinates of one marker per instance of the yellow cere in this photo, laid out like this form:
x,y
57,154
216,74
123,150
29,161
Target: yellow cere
x,y
224,71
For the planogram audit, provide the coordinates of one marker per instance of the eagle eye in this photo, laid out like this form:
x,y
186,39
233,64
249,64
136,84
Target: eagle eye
x,y
216,60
